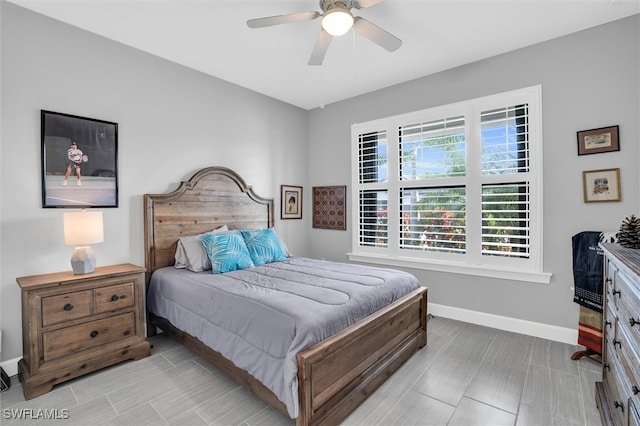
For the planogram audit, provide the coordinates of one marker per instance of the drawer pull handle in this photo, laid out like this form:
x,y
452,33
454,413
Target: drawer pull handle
x,y
616,292
635,390
617,342
68,307
619,405
94,333
606,365
114,298
608,280
607,324
633,321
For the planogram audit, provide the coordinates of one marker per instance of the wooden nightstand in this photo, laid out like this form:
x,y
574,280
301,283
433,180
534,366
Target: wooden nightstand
x,y
76,324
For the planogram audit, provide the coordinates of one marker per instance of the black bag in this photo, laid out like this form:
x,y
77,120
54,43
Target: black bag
x,y
587,270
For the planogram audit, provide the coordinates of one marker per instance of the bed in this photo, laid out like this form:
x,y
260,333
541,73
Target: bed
x,y
333,375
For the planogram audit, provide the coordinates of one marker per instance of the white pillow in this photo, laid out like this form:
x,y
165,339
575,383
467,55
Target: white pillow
x,y
191,254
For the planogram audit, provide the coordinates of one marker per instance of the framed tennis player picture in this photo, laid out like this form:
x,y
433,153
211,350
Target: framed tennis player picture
x,y
79,161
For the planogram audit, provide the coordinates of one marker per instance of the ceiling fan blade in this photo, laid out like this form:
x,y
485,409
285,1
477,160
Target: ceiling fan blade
x,y
363,4
282,19
320,49
376,34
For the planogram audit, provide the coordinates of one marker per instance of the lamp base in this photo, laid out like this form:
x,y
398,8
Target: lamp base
x,y
83,261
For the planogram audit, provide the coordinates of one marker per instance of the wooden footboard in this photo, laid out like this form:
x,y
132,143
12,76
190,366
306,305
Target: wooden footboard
x,y
339,373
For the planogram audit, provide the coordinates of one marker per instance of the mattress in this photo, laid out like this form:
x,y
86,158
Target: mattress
x,y
260,318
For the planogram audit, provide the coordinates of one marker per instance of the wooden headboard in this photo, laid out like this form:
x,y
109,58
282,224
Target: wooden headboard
x,y
213,197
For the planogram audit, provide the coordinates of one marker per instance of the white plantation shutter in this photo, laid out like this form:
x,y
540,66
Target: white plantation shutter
x,y
506,220
434,149
505,161
458,184
433,219
372,157
505,140
373,220
372,175
432,214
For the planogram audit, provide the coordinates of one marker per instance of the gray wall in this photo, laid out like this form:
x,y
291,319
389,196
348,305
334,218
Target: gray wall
x,y
172,121
589,79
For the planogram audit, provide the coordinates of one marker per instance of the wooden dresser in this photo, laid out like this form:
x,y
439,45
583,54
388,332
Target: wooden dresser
x,y
76,324
618,395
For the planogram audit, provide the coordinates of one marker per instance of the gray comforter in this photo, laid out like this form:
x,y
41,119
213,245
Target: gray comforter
x,y
260,318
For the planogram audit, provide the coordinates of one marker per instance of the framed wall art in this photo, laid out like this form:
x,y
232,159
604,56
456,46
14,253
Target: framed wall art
x,y
291,202
79,161
601,185
330,207
594,141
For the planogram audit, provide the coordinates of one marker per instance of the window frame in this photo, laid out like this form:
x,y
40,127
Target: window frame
x,y
472,262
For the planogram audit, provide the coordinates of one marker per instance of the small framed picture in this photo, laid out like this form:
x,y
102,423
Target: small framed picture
x,y
291,202
594,141
601,185
79,161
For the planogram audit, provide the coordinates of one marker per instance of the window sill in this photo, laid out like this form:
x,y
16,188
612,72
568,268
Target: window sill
x,y
489,271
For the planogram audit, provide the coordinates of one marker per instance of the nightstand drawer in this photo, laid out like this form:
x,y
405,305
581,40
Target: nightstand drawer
x,y
70,340
114,297
65,307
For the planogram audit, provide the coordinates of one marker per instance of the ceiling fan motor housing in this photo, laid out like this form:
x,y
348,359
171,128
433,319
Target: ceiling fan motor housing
x,y
327,5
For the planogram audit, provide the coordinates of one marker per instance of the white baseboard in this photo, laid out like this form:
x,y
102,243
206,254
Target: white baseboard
x,y
10,366
530,328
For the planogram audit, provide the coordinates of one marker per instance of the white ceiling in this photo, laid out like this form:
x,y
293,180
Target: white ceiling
x,y
212,36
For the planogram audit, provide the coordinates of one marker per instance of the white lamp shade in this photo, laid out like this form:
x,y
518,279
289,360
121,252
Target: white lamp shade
x,y
82,228
337,21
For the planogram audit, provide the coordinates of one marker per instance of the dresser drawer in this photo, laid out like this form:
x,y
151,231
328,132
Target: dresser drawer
x,y
114,297
609,329
71,340
610,285
615,390
634,415
65,307
629,308
628,358
630,322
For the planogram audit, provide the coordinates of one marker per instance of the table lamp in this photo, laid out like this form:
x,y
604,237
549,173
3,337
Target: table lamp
x,y
81,229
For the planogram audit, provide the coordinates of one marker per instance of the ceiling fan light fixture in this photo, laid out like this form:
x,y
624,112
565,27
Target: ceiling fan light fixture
x,y
337,21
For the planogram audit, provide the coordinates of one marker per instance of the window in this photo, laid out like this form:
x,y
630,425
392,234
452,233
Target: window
x,y
454,188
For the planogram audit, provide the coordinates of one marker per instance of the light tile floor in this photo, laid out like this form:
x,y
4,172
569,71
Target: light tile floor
x,y
467,375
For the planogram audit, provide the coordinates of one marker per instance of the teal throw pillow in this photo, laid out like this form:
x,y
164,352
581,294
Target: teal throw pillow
x,y
264,246
227,252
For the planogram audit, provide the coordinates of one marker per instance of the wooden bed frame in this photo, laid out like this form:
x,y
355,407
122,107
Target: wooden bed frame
x,y
335,375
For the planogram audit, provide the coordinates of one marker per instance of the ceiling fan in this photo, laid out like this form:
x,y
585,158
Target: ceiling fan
x,y
337,19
